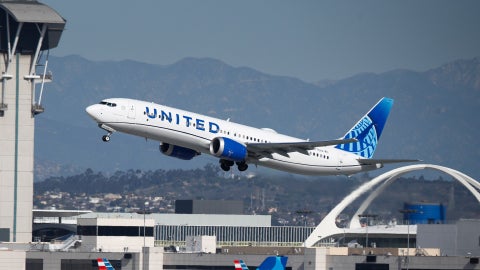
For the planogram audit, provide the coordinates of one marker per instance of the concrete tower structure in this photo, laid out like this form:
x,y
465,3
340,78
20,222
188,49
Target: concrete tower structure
x,y
28,29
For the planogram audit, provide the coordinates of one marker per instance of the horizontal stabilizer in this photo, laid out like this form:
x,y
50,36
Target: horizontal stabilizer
x,y
371,161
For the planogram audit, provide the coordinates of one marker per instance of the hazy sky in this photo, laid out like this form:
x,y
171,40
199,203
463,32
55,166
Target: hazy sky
x,y
310,40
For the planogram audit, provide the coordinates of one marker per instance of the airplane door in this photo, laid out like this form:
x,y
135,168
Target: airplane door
x,y
131,111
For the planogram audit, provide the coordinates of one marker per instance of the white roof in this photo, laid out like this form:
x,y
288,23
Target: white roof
x,y
193,219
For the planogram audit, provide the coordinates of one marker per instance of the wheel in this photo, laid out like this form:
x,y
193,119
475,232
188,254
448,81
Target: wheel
x,y
242,166
225,167
106,138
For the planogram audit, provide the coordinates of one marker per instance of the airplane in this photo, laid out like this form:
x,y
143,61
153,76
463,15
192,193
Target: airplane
x,y
104,264
270,263
184,135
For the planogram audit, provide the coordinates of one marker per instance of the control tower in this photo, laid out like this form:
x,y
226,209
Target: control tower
x,y
28,30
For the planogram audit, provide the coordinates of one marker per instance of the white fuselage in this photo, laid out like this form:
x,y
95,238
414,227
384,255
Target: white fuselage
x,y
195,131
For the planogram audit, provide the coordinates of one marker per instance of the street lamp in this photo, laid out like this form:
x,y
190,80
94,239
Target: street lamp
x,y
304,213
367,216
144,213
407,213
145,205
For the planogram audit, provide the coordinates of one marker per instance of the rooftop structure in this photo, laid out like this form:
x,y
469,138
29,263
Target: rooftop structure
x,y
209,207
115,235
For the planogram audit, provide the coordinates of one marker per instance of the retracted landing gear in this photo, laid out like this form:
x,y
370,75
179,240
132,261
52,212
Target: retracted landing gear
x,y
226,164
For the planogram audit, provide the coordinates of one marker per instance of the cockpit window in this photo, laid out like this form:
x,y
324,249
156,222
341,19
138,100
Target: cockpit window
x,y
108,103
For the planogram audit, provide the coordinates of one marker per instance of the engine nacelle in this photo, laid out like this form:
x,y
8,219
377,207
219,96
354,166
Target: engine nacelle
x,y
228,149
177,151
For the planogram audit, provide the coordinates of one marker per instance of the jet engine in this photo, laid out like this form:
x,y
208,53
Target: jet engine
x,y
177,151
228,149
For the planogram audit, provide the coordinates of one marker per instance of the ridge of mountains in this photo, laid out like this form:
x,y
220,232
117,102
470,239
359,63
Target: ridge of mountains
x,y
435,117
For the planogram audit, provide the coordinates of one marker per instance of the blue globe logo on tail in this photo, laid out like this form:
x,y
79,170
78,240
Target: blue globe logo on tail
x,y
368,130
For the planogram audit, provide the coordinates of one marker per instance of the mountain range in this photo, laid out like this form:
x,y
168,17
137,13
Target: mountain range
x,y
435,117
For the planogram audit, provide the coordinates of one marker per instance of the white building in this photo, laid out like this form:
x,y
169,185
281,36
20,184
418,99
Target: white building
x,y
115,235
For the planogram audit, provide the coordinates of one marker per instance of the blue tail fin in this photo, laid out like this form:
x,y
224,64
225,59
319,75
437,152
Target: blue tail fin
x,y
368,130
274,263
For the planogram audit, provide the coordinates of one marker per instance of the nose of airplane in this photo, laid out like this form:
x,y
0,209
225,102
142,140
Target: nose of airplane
x,y
93,111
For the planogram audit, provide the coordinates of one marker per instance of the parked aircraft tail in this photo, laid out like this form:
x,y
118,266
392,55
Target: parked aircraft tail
x,y
240,265
368,130
104,264
274,263
270,263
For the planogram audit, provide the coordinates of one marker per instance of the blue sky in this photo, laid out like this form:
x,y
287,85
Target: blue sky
x,y
310,40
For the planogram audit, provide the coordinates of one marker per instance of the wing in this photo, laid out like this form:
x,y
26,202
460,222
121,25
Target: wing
x,y
267,149
367,161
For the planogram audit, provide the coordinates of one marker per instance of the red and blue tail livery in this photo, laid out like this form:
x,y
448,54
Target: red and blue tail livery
x,y
240,265
104,264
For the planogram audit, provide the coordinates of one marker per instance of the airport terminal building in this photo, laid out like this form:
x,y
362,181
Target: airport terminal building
x,y
201,238
212,241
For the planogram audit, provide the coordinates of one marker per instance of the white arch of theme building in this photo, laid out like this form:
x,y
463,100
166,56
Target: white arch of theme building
x,y
328,227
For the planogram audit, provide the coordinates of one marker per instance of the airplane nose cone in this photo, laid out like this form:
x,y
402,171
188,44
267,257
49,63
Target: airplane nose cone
x,y
89,110
93,112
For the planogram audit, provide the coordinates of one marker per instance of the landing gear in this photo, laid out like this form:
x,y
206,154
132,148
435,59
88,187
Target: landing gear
x,y
106,138
225,167
226,164
242,166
